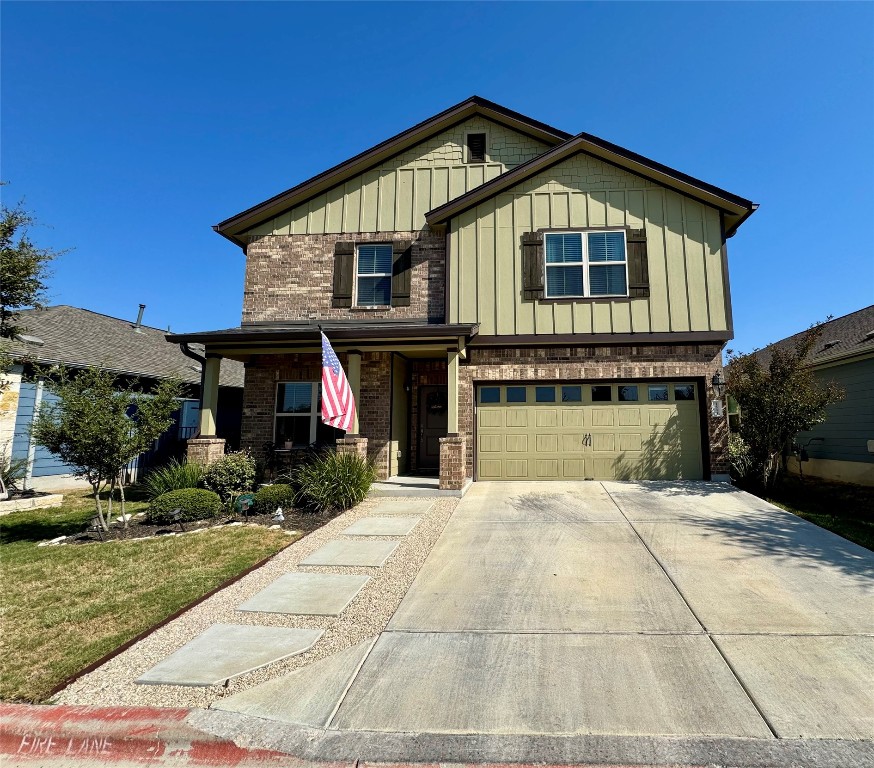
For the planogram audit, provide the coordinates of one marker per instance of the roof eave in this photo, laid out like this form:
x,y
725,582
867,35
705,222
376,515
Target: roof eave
x,y
364,160
738,209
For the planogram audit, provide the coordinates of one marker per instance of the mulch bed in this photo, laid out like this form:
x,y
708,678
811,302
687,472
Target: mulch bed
x,y
138,528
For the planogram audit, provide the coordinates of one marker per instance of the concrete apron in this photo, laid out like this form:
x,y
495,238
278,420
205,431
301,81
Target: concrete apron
x,y
653,621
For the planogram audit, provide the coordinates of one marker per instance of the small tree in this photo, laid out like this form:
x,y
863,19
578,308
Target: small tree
x,y
777,400
99,426
24,268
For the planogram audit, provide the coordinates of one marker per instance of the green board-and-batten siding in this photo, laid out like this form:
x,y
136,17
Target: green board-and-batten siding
x,y
849,424
395,196
684,243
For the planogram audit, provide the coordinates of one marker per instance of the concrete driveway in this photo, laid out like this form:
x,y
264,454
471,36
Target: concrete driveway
x,y
658,609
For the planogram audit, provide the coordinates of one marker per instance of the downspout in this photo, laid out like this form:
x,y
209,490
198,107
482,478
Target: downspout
x,y
188,352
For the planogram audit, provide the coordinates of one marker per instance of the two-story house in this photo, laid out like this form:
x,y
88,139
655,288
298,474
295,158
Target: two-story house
x,y
509,302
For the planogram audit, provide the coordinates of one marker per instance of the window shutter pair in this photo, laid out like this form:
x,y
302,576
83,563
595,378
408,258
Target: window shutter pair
x,y
533,264
344,273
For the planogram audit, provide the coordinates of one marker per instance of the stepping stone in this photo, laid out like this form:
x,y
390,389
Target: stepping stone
x,y
307,594
417,507
307,696
352,553
382,526
228,650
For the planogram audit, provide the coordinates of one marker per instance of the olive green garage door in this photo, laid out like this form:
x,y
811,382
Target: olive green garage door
x,y
626,431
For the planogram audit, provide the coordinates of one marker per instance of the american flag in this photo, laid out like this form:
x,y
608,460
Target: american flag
x,y
338,404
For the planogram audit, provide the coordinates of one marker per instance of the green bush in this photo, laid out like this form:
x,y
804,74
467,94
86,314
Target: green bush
x,y
193,503
231,475
332,481
172,477
268,498
739,458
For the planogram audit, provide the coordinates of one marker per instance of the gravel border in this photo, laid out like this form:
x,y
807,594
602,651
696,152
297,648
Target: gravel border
x,y
366,616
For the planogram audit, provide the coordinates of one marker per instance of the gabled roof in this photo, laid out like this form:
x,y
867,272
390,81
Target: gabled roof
x,y
841,338
78,338
475,105
736,209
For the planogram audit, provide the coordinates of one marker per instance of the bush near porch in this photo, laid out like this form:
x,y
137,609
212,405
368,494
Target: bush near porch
x,y
67,606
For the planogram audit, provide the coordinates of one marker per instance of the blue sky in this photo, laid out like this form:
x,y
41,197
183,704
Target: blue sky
x,y
131,128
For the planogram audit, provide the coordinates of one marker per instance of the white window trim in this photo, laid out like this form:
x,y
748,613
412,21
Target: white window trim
x,y
374,274
585,264
313,414
466,157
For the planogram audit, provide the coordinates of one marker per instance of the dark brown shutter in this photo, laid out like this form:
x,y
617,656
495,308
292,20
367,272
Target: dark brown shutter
x,y
476,148
401,271
532,266
344,273
638,265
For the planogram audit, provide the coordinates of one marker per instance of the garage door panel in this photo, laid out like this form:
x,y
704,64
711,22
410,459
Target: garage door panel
x,y
583,440
546,444
518,468
629,417
546,469
602,417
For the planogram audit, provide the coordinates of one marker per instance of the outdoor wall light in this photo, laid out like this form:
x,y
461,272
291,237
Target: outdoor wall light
x,y
718,384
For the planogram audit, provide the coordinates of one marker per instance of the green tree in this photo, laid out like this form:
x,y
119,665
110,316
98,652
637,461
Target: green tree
x,y
24,268
778,398
99,425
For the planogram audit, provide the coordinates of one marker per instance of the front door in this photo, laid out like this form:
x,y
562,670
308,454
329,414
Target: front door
x,y
433,407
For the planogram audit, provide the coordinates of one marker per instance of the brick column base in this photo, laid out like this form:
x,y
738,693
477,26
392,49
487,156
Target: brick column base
x,y
452,471
205,450
355,445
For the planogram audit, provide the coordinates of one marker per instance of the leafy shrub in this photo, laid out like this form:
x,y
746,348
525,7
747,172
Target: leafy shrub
x,y
232,474
193,503
739,458
332,481
171,477
268,498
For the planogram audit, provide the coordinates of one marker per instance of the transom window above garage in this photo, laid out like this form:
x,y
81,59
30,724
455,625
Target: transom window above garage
x,y
581,264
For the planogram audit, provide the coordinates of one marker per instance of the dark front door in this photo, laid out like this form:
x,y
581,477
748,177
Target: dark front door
x,y
432,426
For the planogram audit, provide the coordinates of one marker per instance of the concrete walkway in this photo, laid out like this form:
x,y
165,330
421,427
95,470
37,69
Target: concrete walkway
x,y
615,610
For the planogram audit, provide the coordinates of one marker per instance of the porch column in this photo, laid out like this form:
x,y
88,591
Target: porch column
x,y
209,395
354,376
206,447
452,392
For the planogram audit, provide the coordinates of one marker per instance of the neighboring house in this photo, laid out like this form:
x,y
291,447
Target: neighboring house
x,y
509,301
78,338
842,447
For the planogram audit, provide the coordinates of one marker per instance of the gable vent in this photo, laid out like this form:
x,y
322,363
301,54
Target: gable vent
x,y
476,147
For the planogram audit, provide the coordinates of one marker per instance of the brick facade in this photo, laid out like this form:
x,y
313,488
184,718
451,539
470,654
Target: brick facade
x,y
204,450
290,277
592,363
374,402
453,472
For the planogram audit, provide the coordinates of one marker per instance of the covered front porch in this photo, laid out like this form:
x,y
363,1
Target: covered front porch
x,y
404,377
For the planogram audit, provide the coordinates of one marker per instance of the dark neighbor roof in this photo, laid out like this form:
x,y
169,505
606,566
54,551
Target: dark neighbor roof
x,y
309,332
841,338
79,338
736,209
249,218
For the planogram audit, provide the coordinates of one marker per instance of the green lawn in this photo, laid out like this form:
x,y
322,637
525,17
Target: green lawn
x,y
845,509
65,607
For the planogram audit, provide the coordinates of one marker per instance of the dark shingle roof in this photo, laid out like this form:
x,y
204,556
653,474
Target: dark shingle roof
x,y
842,337
79,338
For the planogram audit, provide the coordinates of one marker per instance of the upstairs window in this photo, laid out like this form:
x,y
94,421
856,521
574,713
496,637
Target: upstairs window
x,y
373,276
581,264
476,147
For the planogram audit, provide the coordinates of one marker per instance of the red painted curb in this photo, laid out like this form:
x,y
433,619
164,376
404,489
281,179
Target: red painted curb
x,y
66,735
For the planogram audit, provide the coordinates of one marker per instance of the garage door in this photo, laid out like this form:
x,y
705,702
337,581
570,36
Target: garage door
x,y
626,431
